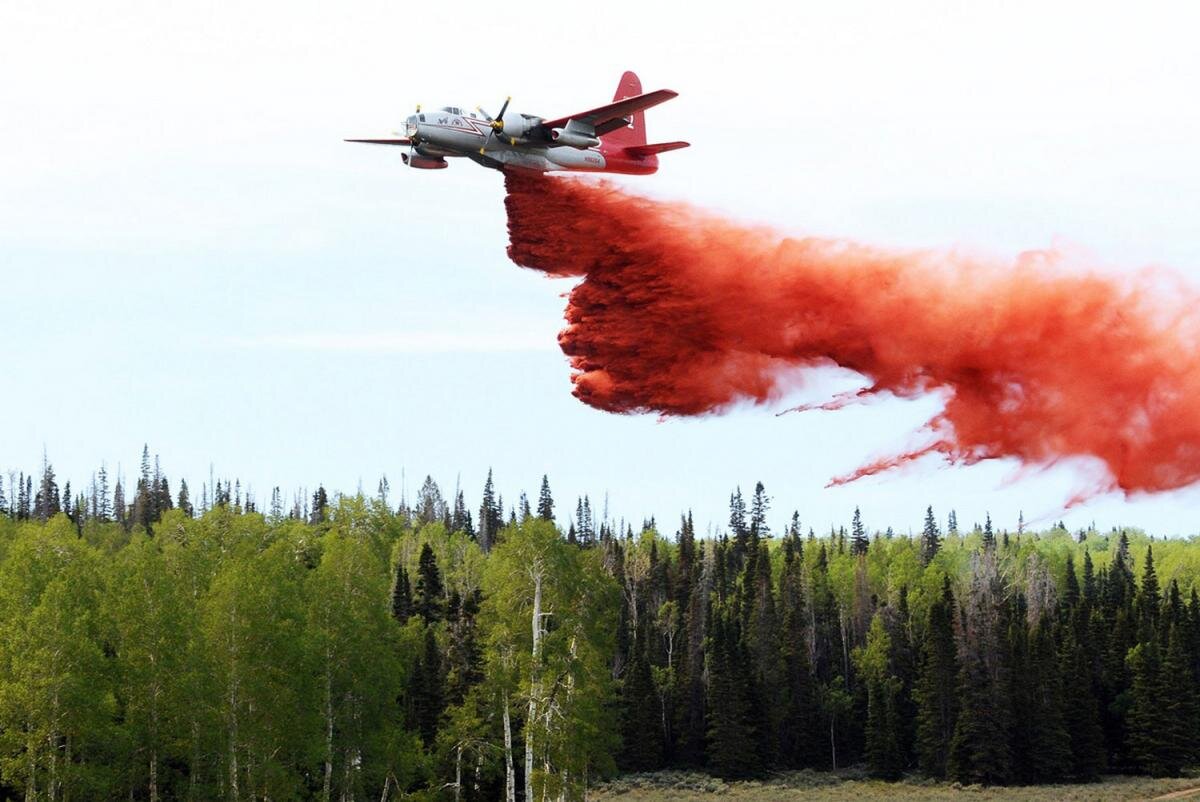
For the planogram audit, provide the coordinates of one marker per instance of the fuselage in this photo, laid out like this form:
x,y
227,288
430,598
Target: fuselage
x,y
455,132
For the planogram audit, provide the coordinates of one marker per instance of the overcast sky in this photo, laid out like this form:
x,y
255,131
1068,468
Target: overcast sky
x,y
191,257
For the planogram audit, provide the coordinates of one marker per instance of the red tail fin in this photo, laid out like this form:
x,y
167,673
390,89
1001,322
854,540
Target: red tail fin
x,y
634,134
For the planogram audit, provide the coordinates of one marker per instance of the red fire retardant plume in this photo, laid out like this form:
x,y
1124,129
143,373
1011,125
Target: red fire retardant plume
x,y
681,312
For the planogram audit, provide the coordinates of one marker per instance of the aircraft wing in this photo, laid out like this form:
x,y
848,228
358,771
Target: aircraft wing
x,y
611,117
401,141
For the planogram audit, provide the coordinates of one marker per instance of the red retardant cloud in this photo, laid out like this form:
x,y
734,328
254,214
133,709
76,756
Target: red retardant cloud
x,y
681,312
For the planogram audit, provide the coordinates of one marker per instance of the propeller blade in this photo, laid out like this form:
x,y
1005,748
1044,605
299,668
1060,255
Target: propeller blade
x,y
486,116
498,123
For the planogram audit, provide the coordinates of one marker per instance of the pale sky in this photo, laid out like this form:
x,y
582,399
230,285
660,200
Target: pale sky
x,y
191,257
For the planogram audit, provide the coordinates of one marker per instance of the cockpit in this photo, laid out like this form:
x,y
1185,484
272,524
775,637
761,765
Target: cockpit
x,y
460,112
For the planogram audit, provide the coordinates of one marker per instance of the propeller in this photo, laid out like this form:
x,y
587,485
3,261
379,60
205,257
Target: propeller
x,y
496,122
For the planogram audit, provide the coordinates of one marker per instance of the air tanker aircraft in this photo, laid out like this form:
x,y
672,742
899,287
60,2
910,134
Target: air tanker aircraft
x,y
608,139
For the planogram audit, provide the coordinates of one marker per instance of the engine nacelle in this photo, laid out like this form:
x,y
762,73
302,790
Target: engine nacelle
x,y
423,162
517,125
563,136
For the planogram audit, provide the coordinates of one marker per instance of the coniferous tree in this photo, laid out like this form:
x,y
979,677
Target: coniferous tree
x,y
694,597
936,689
185,502
858,538
1049,750
120,511
980,749
320,503
1144,722
760,504
1179,717
545,507
430,505
989,537
738,527
464,659
641,733
732,739
47,502
1081,715
882,728
1089,592
429,692
931,539
1148,600
801,739
491,515
429,603
461,521
402,602
1071,591
952,524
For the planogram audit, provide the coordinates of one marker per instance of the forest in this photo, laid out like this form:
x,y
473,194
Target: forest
x,y
363,646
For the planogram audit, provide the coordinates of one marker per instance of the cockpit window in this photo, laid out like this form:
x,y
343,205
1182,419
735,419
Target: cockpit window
x,y
452,109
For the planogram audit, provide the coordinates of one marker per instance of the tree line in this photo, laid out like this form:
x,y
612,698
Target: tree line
x,y
350,647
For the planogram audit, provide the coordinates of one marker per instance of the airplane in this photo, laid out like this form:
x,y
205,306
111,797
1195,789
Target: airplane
x,y
607,139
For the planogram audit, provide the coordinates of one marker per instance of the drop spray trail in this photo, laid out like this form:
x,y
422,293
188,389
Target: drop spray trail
x,y
684,313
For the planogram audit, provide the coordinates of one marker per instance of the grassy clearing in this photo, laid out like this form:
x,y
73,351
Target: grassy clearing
x,y
674,786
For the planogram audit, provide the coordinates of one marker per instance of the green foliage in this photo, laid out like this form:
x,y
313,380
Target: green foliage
x,y
361,652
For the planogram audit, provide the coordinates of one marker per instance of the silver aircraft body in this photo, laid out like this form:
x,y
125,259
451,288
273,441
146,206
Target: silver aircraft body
x,y
607,139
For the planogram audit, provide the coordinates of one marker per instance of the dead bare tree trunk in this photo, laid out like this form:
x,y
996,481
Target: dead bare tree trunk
x,y
536,573
510,777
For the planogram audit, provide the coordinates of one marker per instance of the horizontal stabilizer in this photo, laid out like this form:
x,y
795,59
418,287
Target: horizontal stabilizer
x,y
382,141
614,111
658,147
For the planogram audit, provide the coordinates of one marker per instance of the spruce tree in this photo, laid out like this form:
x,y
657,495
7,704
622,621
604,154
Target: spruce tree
x,y
989,537
882,727
429,603
800,732
491,515
1148,600
641,729
1049,745
1145,732
759,506
858,539
545,507
402,602
885,757
980,750
1090,595
738,527
732,740
185,502
1071,593
1081,714
464,659
320,502
931,539
936,690
429,693
1179,721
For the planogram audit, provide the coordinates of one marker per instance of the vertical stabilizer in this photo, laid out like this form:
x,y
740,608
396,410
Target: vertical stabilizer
x,y
634,134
